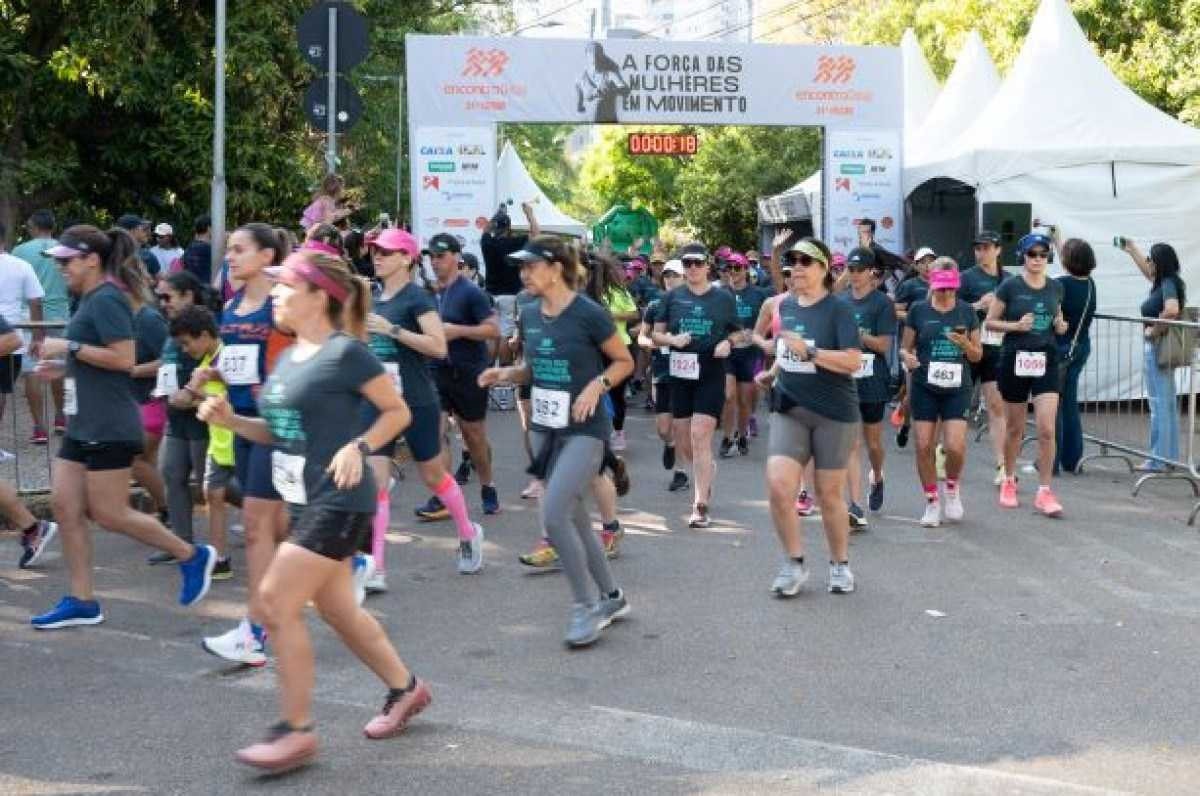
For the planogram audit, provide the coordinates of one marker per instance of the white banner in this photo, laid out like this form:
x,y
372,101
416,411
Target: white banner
x,y
453,182
454,80
864,179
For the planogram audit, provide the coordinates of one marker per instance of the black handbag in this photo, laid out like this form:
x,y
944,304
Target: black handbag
x,y
1072,355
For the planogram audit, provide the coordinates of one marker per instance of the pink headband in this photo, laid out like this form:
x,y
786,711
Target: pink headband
x,y
321,246
296,265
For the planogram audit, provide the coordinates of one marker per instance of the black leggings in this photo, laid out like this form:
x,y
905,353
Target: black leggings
x,y
617,394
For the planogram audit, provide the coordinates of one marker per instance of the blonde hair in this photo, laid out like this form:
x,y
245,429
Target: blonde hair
x,y
349,316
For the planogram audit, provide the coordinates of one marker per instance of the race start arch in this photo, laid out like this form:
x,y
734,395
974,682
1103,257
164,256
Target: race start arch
x,y
460,87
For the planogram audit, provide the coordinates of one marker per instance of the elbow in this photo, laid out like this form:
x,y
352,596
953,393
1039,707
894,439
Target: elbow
x,y
440,349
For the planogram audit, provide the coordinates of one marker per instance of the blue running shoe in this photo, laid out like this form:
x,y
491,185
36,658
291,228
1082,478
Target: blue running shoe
x,y
69,612
490,500
433,510
197,575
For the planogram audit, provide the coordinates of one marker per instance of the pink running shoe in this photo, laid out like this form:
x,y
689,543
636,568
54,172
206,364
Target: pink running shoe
x,y
1047,503
398,709
804,505
1008,493
284,750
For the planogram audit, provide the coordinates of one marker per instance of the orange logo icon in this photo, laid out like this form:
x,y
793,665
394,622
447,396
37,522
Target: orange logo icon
x,y
484,63
831,69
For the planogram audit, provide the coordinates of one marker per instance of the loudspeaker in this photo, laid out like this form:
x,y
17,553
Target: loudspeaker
x,y
1011,220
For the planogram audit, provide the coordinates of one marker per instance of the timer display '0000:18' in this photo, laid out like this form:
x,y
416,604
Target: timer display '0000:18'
x,y
663,143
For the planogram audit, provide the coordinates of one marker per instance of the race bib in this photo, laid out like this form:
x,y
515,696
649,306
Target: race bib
x,y
947,375
70,402
790,361
551,408
685,365
991,337
1030,364
393,372
239,364
665,351
287,476
168,380
866,367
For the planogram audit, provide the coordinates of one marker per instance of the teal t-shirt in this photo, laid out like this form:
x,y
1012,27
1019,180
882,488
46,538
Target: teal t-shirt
x,y
55,304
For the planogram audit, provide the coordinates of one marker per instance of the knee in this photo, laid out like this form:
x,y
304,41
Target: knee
x,y
830,498
780,492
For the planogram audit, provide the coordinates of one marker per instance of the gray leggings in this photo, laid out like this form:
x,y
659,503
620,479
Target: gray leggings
x,y
178,459
565,516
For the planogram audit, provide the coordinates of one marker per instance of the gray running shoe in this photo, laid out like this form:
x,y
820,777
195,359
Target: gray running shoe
x,y
792,576
858,518
841,579
584,626
470,553
611,609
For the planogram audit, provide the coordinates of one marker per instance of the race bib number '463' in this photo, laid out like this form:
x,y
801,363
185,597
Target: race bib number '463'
x,y
947,375
866,367
685,365
239,364
287,476
1030,364
551,408
790,361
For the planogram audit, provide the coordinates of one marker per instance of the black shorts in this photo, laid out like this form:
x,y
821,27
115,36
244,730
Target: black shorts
x,y
662,397
927,405
99,456
10,368
1016,389
524,392
872,412
329,532
423,435
986,368
461,394
253,470
703,396
742,364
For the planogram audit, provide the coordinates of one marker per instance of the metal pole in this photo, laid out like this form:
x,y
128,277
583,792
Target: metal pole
x,y
331,96
217,203
399,144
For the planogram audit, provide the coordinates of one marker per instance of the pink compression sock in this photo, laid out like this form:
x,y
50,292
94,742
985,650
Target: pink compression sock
x,y
450,493
383,515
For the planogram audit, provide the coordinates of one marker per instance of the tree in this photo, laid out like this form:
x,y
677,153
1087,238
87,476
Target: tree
x,y
610,175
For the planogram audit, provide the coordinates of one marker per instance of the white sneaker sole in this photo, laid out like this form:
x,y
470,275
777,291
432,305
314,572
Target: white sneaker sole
x,y
792,592
841,589
80,622
40,550
246,659
473,567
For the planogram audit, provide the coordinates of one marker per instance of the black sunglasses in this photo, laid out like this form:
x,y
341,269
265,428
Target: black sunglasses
x,y
800,259
737,267
856,267
1040,254
695,264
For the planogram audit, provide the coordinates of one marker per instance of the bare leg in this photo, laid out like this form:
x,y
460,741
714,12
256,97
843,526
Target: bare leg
x,y
996,418
783,481
13,509
873,434
1045,412
145,471
264,530
702,428
605,493
292,579
1014,429
954,437
37,402
831,485
745,401
926,434
682,429
854,472
475,438
70,512
108,505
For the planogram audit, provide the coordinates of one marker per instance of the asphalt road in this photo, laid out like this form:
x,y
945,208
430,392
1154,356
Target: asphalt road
x,y
1059,657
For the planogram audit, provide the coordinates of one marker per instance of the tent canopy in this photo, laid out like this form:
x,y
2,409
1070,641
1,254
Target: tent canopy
x,y
920,85
513,182
971,85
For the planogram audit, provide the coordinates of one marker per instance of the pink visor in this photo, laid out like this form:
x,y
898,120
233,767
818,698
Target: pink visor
x,y
944,280
296,269
320,246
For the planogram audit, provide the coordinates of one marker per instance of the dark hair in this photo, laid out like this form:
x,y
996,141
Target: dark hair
x,y
560,253
869,223
202,294
829,278
194,321
202,224
601,269
42,220
267,237
118,255
327,234
1078,258
1166,266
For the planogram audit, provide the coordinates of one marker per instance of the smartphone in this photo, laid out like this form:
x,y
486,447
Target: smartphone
x,y
960,330
1119,242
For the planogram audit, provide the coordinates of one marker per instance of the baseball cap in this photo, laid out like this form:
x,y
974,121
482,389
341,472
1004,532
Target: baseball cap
x,y
394,239
164,228
443,242
860,256
839,260
68,246
470,260
529,253
987,236
131,221
1033,239
693,251
674,267
944,280
924,252
737,258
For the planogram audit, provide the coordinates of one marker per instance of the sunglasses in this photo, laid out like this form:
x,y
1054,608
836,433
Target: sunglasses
x,y
856,267
695,264
1038,254
737,268
163,296
800,259
382,252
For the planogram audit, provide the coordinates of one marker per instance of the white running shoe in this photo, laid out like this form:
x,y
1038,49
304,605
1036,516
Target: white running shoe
x,y
841,579
954,506
791,578
238,645
470,553
933,514
363,569
376,584
999,479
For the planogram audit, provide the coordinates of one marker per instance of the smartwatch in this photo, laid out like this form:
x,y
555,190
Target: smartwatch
x,y
363,447
73,347
604,382
812,353
395,331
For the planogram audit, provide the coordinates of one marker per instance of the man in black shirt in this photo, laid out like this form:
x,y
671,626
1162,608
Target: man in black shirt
x,y
502,279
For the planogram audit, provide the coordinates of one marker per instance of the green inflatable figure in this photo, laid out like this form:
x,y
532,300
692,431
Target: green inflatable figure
x,y
622,226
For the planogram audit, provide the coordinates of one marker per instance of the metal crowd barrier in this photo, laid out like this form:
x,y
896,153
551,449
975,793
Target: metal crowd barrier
x,y
22,463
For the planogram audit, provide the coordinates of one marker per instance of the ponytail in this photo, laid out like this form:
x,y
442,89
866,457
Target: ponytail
x,y
122,265
358,304
267,237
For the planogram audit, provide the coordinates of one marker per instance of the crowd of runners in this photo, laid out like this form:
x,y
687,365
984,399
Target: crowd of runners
x,y
289,383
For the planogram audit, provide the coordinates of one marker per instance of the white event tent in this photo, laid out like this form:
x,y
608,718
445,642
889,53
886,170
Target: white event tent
x,y
513,182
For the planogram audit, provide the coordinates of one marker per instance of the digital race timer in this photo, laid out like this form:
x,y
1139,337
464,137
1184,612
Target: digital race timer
x,y
663,143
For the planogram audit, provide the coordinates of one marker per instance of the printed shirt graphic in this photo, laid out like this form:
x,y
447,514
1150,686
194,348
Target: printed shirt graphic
x,y
874,314
1019,300
975,283
829,324
708,318
748,301
931,326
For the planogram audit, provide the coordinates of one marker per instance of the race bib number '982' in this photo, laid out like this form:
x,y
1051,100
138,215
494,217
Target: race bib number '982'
x,y
1030,364
239,364
947,375
866,367
790,361
685,365
551,408
287,476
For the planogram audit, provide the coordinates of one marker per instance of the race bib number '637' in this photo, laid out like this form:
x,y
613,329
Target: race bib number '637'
x,y
551,408
1030,364
947,375
790,361
684,365
239,364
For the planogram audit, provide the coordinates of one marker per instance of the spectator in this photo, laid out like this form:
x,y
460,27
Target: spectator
x,y
502,278
197,260
55,307
19,287
165,249
1078,307
325,207
139,230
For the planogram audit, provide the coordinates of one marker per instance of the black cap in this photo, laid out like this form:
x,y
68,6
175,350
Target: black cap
x,y
693,251
470,260
987,236
529,253
860,256
443,242
131,221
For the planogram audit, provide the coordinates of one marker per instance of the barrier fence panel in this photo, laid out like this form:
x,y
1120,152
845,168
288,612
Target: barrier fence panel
x,y
24,462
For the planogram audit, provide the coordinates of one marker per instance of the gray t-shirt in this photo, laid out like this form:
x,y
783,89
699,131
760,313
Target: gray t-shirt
x,y
1020,299
708,318
874,314
302,403
829,324
564,355
106,410
150,332
403,310
931,325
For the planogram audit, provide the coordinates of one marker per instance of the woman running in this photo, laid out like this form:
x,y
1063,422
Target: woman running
x,y
90,480
150,335
815,405
568,337
1027,309
405,333
697,323
941,343
319,467
672,277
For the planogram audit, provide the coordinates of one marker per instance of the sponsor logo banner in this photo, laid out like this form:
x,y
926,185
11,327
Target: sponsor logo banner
x,y
854,192
444,198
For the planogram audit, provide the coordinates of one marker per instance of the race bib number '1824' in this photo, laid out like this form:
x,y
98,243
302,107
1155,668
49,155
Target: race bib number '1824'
x,y
685,365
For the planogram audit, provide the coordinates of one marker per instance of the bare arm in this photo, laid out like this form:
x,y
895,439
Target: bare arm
x,y
117,355
9,343
535,228
1139,259
431,341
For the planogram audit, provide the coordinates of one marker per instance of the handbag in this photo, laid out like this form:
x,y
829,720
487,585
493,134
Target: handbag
x,y
1065,363
1175,348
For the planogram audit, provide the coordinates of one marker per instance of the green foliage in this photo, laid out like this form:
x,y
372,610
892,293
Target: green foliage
x,y
610,175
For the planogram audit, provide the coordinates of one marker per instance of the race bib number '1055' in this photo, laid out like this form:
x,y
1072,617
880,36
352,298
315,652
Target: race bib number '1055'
x,y
685,365
1030,364
551,408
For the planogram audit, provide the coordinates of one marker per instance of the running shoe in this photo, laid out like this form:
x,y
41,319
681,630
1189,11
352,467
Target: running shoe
x,y
726,449
753,426
616,441
60,425
34,543
377,583
858,518
534,491
470,553
361,569
399,707
875,498
620,475
223,570
954,506
69,612
939,457
544,556
39,436
932,517
611,539
804,504
433,510
463,474
583,625
649,405
678,481
489,499
1008,493
1047,503
160,557
699,518
285,749
239,645
668,457
999,479
612,608
897,418
743,445
196,574
841,579
902,436
791,578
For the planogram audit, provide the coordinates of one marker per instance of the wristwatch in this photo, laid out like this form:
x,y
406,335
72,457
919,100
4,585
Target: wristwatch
x,y
73,347
395,331
604,382
363,447
812,353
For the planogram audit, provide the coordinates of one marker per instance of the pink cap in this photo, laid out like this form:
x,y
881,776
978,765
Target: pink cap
x,y
394,239
738,259
944,280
